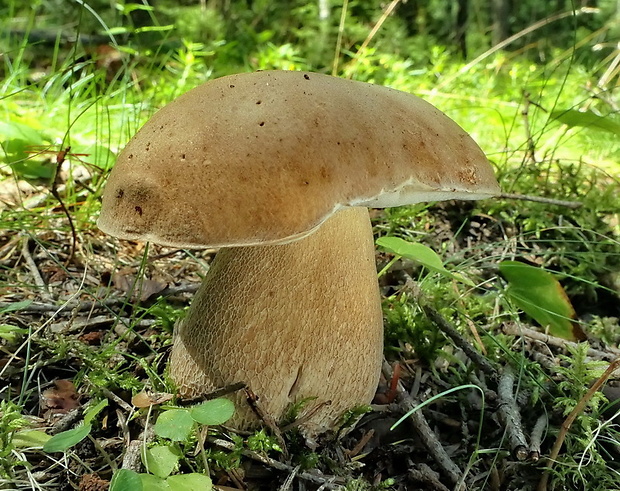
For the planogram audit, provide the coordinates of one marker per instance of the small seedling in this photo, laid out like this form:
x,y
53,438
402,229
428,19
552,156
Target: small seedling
x,y
176,425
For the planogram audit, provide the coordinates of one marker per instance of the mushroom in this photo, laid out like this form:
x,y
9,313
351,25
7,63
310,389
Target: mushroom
x,y
277,168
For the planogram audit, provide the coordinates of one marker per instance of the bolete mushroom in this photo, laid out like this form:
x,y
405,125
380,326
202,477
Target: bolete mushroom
x,y
277,168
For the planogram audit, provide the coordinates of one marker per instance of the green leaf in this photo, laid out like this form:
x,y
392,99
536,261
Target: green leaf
x,y
175,424
154,483
34,169
130,7
100,156
214,412
541,296
30,439
587,119
19,131
190,482
16,306
64,440
113,31
10,333
160,460
92,413
419,253
169,27
126,480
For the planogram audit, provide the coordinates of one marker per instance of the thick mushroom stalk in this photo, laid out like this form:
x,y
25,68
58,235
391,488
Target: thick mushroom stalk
x,y
271,166
293,321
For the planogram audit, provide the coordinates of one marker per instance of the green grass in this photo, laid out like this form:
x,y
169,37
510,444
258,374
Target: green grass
x,y
511,106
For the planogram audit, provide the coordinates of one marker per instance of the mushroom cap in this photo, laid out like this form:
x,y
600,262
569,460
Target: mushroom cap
x,y
266,157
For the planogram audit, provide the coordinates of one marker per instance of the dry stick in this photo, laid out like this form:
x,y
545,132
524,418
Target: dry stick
x,y
80,324
132,459
386,13
359,446
38,307
330,482
306,417
288,482
461,342
266,418
343,18
558,342
526,124
541,199
214,394
423,473
536,437
111,395
424,431
7,249
509,413
60,158
34,271
613,366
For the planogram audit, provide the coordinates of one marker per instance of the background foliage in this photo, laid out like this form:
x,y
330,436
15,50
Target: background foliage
x,y
535,83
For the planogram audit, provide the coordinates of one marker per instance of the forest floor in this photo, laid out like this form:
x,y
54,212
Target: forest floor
x,y
95,324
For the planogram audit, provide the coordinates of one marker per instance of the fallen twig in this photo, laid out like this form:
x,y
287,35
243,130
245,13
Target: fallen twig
x,y
516,330
80,306
288,482
359,446
306,417
510,415
132,459
461,342
267,419
329,482
536,437
541,199
424,431
423,473
34,270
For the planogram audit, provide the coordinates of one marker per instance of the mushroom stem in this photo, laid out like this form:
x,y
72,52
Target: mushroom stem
x,y
293,321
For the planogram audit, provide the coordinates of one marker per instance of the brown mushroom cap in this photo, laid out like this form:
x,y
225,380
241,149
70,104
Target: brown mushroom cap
x,y
266,157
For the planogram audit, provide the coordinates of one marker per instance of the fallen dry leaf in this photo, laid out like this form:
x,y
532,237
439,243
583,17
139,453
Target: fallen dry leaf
x,y
144,399
60,399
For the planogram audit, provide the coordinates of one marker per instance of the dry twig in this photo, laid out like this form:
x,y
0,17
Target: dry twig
x,y
541,199
510,415
329,482
423,473
536,437
34,270
424,431
267,419
516,330
80,306
461,342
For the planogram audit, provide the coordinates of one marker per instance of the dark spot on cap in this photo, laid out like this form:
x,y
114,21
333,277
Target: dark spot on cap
x,y
232,86
262,123
120,193
139,210
259,102
130,156
182,156
306,76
